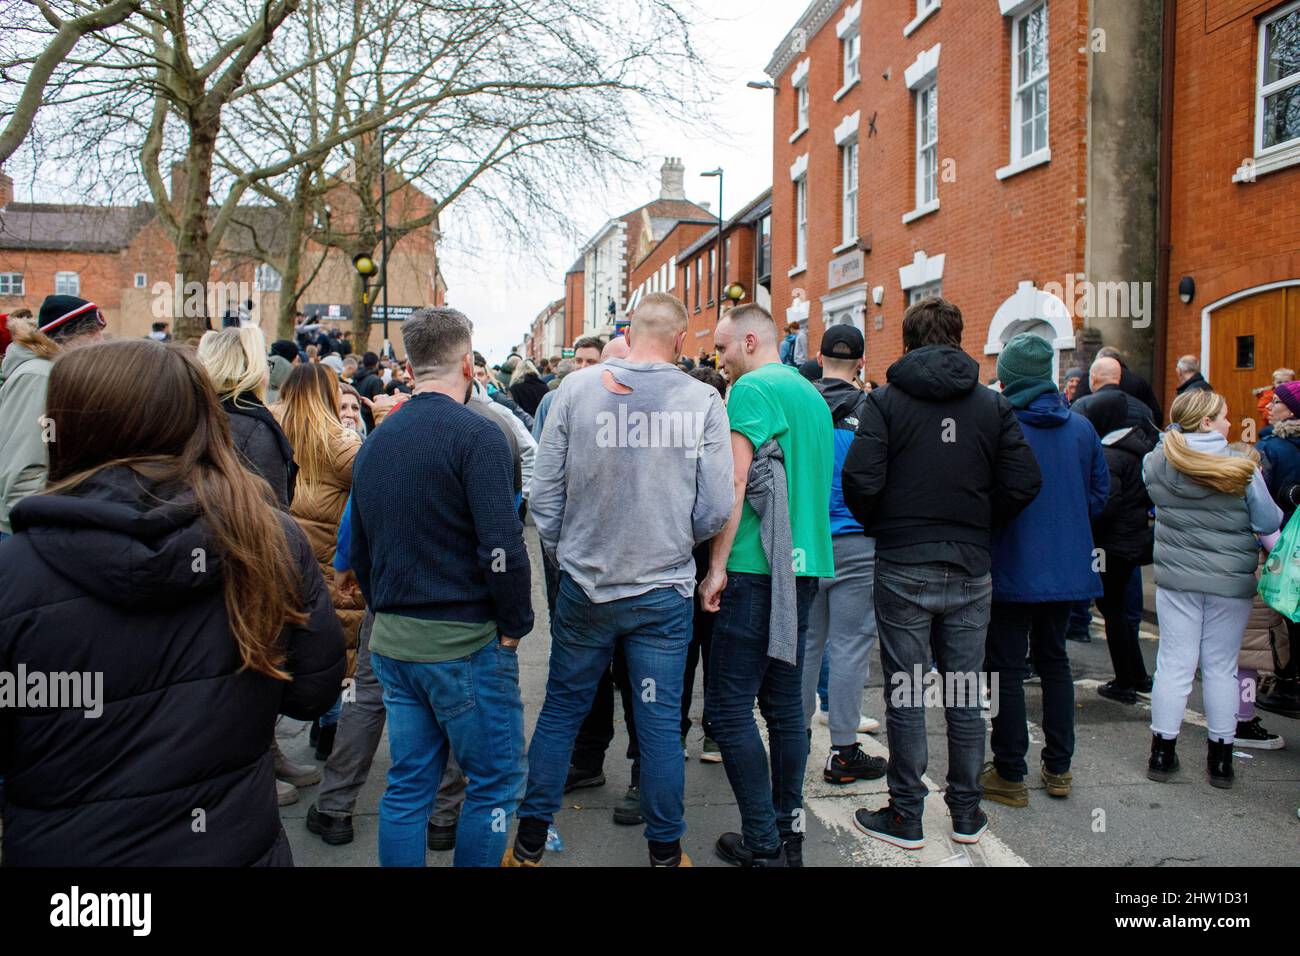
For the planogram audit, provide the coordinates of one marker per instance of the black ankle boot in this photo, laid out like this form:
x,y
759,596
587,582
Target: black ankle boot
x,y
325,741
1219,764
1163,760
313,734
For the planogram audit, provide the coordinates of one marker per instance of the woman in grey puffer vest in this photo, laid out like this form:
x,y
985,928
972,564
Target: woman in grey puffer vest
x,y
1210,506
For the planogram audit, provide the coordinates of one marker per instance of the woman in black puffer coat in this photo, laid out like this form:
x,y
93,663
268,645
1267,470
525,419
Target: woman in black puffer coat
x,y
155,564
1122,532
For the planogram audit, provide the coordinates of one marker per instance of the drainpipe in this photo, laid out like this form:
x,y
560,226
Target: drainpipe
x,y
1169,29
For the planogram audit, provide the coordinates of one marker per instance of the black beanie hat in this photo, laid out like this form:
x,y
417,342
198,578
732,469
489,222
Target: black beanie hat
x,y
65,315
1107,410
285,349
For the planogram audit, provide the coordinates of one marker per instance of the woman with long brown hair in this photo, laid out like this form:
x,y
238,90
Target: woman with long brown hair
x,y
1211,505
158,573
324,448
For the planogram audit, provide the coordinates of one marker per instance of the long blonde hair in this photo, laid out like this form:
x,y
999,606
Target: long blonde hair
x,y
309,399
1228,475
236,361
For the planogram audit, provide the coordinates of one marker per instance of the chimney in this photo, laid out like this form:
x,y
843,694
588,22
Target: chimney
x,y
6,189
180,180
673,176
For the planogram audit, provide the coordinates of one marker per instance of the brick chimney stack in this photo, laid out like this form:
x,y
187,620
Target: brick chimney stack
x,y
672,175
6,189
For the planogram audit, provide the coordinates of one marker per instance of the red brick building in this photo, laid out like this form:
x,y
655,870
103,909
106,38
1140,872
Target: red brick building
x,y
941,147
121,258
658,270
1234,186
746,262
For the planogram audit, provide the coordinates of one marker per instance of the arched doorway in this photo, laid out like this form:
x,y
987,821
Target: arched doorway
x,y
1032,310
1244,337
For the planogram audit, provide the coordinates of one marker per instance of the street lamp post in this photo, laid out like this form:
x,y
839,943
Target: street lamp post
x,y
721,265
383,227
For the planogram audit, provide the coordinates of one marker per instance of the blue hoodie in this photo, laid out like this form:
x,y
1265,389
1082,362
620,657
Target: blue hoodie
x,y
1045,553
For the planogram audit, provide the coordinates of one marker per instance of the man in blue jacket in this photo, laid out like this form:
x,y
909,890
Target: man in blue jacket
x,y
1043,563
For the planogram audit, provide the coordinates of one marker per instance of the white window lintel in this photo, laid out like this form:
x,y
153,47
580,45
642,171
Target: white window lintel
x,y
849,22
924,68
923,270
800,75
799,168
1013,8
921,18
848,128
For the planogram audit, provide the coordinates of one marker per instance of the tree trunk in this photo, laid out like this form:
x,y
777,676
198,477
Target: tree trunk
x,y
289,291
361,315
193,252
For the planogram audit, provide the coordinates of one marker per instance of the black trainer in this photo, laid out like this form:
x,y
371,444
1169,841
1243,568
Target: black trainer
x,y
334,830
968,828
441,838
731,849
1123,695
579,779
1252,734
888,825
849,764
1163,760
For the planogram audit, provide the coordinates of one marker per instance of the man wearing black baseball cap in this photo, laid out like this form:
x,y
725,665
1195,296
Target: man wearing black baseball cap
x,y
65,321
842,623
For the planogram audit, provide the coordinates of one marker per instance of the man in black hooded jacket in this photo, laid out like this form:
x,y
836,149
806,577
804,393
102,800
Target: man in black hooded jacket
x,y
937,462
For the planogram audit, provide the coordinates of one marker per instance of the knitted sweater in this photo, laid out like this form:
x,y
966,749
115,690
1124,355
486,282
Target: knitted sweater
x,y
435,533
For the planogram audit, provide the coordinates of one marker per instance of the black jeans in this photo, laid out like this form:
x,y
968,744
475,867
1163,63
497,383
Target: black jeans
x,y
1121,636
701,640
1040,630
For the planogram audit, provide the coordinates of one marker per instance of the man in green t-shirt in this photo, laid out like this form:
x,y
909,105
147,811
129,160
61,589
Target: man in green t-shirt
x,y
768,401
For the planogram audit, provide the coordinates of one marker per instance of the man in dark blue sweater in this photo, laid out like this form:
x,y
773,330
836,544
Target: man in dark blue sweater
x,y
438,551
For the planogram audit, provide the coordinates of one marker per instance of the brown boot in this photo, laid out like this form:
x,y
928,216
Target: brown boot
x,y
1003,791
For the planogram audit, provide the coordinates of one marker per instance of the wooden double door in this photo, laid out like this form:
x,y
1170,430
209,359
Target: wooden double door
x,y
1250,338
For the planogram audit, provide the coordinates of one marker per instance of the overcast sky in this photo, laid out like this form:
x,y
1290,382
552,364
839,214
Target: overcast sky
x,y
502,292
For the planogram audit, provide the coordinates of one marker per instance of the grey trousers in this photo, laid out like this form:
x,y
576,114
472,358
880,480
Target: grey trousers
x,y
361,727
842,624
1197,630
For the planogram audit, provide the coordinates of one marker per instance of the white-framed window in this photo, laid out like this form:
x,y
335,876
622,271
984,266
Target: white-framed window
x,y
801,108
801,223
699,280
713,273
851,46
266,278
927,145
1277,104
11,283
849,191
1029,83
686,286
67,283
672,272
917,293
141,280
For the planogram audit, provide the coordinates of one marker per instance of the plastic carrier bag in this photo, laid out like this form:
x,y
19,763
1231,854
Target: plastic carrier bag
x,y
1279,583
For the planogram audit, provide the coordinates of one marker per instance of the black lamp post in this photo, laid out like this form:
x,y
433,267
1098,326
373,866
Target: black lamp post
x,y
721,265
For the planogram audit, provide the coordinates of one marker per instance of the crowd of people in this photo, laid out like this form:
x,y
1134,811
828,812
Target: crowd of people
x,y
229,531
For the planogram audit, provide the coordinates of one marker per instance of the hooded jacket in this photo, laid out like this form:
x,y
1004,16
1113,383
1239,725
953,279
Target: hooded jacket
x,y
261,446
1280,461
123,580
845,402
937,457
24,380
1123,528
1045,553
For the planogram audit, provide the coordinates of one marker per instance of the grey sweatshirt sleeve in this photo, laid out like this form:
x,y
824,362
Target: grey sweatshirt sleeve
x,y
715,492
1265,516
547,498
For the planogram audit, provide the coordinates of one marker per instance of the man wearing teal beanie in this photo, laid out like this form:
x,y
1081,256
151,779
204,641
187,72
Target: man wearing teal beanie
x,y
1032,597
1025,369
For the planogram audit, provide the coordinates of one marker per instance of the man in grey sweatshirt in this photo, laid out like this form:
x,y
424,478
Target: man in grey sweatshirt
x,y
642,440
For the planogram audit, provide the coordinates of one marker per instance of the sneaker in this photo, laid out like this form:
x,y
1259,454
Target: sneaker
x,y
681,859
1121,695
300,775
1284,698
628,813
968,828
579,779
1058,784
1251,733
333,829
1143,690
286,793
1000,790
731,849
888,825
867,725
823,717
850,764
711,752
440,838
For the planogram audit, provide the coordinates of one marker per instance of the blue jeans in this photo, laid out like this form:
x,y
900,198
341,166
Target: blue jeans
x,y
771,806
923,610
654,630
471,705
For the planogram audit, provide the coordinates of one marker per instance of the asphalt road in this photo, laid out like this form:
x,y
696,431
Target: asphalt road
x,y
1114,817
